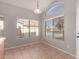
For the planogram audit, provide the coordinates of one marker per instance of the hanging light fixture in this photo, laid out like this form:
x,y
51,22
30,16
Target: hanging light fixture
x,y
37,10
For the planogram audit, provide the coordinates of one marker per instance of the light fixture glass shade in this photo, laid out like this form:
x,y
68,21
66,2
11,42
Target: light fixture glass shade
x,y
37,11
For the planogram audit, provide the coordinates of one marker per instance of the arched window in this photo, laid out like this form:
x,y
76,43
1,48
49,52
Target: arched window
x,y
55,8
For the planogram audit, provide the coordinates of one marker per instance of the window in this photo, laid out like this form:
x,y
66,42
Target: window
x,y
34,28
55,28
55,9
27,28
22,28
49,27
59,27
1,27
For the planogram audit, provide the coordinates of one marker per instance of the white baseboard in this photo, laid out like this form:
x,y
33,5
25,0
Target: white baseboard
x,y
58,48
31,43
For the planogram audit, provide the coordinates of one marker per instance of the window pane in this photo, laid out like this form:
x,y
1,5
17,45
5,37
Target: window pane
x,y
24,22
25,30
34,28
27,27
1,27
54,28
34,31
57,7
37,31
58,26
22,28
49,28
34,23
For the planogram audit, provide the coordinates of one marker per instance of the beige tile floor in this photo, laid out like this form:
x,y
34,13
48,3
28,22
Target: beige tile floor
x,y
36,51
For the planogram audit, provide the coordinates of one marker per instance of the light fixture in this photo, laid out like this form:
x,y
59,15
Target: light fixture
x,y
37,10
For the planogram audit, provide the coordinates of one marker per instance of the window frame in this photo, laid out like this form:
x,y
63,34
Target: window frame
x,y
29,26
37,26
53,24
2,19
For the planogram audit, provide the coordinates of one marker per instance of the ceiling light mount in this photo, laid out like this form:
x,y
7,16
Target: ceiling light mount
x,y
37,10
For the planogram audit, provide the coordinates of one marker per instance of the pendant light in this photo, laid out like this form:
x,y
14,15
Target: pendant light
x,y
37,10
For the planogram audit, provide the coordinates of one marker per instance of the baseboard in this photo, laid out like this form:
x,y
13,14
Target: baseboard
x,y
31,43
45,42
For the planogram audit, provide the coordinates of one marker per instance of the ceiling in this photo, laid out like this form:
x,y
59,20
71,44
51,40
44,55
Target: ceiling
x,y
29,4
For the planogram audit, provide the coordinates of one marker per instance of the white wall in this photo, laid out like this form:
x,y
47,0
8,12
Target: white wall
x,y
10,14
69,43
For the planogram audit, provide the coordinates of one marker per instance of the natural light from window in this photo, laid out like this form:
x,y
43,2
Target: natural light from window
x,y
55,8
1,27
26,27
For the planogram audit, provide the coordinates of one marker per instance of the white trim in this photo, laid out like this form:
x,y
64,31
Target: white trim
x,y
58,48
31,43
54,17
